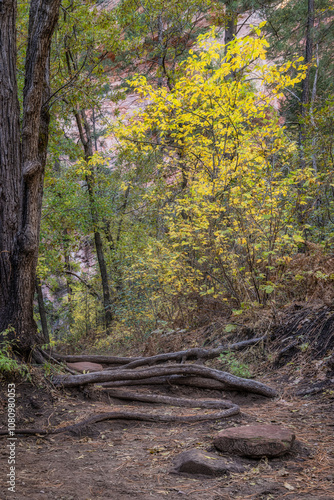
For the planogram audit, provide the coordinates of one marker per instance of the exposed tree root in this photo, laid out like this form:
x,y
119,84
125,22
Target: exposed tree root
x,y
231,381
112,360
66,368
126,372
157,398
199,382
38,356
184,374
125,415
190,354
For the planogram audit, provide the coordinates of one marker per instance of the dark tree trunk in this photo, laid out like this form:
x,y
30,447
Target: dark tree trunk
x,y
230,23
22,163
86,140
305,94
10,164
231,20
42,311
161,55
308,54
68,270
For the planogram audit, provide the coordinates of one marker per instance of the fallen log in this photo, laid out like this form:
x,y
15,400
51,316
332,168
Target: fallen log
x,y
160,399
125,415
232,382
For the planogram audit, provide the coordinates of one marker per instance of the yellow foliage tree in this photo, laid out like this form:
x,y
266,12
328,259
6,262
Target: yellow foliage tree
x,y
225,173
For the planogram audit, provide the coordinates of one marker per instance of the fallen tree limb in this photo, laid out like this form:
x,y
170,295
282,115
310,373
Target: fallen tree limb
x,y
158,398
125,415
231,381
200,382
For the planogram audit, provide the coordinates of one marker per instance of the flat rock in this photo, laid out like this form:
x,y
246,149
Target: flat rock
x,y
201,462
85,366
255,440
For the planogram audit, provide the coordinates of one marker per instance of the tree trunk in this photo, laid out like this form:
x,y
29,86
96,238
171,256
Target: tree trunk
x,y
10,165
306,85
22,163
305,100
231,14
308,54
67,265
42,311
86,140
160,42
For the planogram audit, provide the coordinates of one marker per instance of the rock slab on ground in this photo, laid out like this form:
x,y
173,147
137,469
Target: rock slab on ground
x,y
197,461
255,440
85,366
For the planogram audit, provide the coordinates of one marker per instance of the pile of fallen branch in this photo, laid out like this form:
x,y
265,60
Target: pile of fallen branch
x,y
122,371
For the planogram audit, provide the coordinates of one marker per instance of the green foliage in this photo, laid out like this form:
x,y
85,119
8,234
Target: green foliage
x,y
304,347
234,366
9,366
230,328
286,31
159,34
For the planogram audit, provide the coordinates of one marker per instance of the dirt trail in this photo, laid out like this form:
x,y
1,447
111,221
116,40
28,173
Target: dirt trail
x,y
122,460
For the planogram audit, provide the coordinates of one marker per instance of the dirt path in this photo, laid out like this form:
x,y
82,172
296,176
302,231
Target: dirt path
x,y
122,460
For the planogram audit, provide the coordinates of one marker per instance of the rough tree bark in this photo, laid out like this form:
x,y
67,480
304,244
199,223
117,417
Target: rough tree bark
x,y
22,162
95,358
42,311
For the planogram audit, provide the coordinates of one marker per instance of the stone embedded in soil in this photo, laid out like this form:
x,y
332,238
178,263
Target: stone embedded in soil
x,y
255,440
85,366
200,462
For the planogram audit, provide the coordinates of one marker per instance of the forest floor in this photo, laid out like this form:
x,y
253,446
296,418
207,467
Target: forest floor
x,y
121,460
